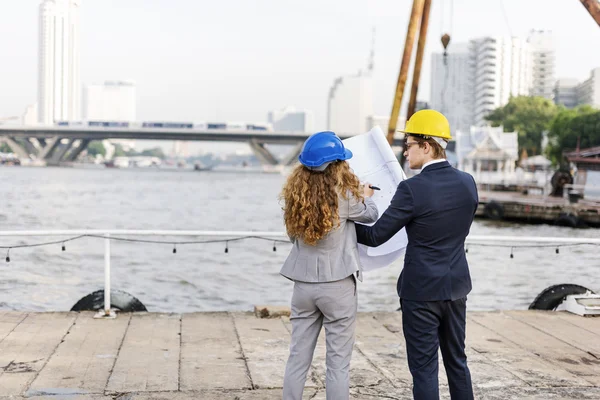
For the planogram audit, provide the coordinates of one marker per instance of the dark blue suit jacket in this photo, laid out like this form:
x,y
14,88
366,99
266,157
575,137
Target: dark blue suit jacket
x,y
437,208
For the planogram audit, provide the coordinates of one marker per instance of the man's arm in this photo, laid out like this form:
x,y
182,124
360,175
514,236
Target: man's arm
x,y
397,215
476,195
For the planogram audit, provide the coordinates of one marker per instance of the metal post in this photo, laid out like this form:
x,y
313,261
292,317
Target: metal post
x,y
107,312
415,16
107,275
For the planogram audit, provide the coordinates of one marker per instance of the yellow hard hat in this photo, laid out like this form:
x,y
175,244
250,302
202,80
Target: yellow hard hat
x,y
428,123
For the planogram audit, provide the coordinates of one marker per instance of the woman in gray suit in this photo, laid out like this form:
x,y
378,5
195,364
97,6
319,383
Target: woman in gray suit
x,y
322,197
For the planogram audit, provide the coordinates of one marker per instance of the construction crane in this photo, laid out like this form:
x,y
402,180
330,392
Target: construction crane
x,y
593,7
419,16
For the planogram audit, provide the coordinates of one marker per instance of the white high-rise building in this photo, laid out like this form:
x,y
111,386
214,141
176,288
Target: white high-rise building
x,y
451,86
111,101
588,91
290,119
570,93
383,121
565,92
501,69
350,103
30,116
543,63
59,88
478,77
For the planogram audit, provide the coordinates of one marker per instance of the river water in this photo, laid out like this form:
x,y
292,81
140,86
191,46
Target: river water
x,y
202,277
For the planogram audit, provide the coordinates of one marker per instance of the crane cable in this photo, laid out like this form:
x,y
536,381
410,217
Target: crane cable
x,y
446,67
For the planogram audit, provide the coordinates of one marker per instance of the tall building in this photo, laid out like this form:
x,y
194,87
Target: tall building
x,y
30,116
111,101
59,89
349,104
422,105
290,119
570,93
565,92
451,86
588,91
543,63
501,68
350,101
477,77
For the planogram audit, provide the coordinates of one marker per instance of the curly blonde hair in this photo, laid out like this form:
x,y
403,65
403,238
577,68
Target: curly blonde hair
x,y
310,209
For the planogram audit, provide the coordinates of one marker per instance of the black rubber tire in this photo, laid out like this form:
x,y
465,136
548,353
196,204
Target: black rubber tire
x,y
567,220
551,297
119,300
494,211
558,181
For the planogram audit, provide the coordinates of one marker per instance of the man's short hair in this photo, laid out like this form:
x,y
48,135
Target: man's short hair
x,y
438,151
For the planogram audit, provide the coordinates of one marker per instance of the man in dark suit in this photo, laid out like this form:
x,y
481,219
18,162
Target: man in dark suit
x,y
437,208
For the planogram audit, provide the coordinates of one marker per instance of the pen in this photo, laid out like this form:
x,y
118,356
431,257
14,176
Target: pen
x,y
374,187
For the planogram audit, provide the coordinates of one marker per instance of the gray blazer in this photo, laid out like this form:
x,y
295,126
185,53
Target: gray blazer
x,y
334,257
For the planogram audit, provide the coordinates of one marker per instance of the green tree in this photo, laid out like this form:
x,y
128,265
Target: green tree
x,y
96,147
4,148
119,152
571,125
529,116
154,152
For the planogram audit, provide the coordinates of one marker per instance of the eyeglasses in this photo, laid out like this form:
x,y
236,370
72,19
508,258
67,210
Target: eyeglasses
x,y
408,144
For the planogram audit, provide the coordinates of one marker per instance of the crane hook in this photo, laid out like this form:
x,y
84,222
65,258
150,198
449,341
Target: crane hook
x,y
445,41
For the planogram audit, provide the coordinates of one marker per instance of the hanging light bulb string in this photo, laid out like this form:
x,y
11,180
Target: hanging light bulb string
x,y
530,246
62,242
131,240
264,238
122,239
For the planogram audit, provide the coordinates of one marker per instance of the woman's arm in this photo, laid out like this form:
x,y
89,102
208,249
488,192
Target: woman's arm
x,y
362,212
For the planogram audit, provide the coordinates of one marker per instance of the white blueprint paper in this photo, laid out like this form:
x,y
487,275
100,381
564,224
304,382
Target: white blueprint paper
x,y
374,162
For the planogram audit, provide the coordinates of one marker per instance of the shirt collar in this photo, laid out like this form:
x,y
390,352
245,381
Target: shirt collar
x,y
439,160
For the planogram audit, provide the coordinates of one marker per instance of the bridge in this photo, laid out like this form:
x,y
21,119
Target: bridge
x,y
58,144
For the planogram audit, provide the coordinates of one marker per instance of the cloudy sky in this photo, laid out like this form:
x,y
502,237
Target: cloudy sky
x,y
197,60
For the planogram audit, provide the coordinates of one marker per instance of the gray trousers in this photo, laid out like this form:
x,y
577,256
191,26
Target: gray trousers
x,y
332,304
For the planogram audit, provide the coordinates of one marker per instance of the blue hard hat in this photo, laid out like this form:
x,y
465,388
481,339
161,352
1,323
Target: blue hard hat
x,y
323,147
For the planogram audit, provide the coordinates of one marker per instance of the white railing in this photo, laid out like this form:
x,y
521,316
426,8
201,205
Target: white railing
x,y
112,234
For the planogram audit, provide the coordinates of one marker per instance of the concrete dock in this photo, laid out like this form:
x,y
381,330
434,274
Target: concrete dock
x,y
237,356
515,206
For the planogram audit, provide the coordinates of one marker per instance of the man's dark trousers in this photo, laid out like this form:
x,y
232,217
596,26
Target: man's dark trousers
x,y
427,326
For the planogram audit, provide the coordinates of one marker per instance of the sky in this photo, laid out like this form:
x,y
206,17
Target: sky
x,y
234,60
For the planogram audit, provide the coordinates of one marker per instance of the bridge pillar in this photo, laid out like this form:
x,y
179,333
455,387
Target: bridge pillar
x,y
47,151
76,150
28,145
15,147
37,144
292,157
59,152
263,155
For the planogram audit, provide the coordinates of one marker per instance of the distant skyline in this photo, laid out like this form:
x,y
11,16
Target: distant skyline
x,y
235,60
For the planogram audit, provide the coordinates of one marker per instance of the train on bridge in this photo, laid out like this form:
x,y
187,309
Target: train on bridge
x,y
220,126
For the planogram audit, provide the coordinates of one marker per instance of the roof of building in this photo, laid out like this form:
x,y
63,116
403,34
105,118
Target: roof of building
x,y
591,155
